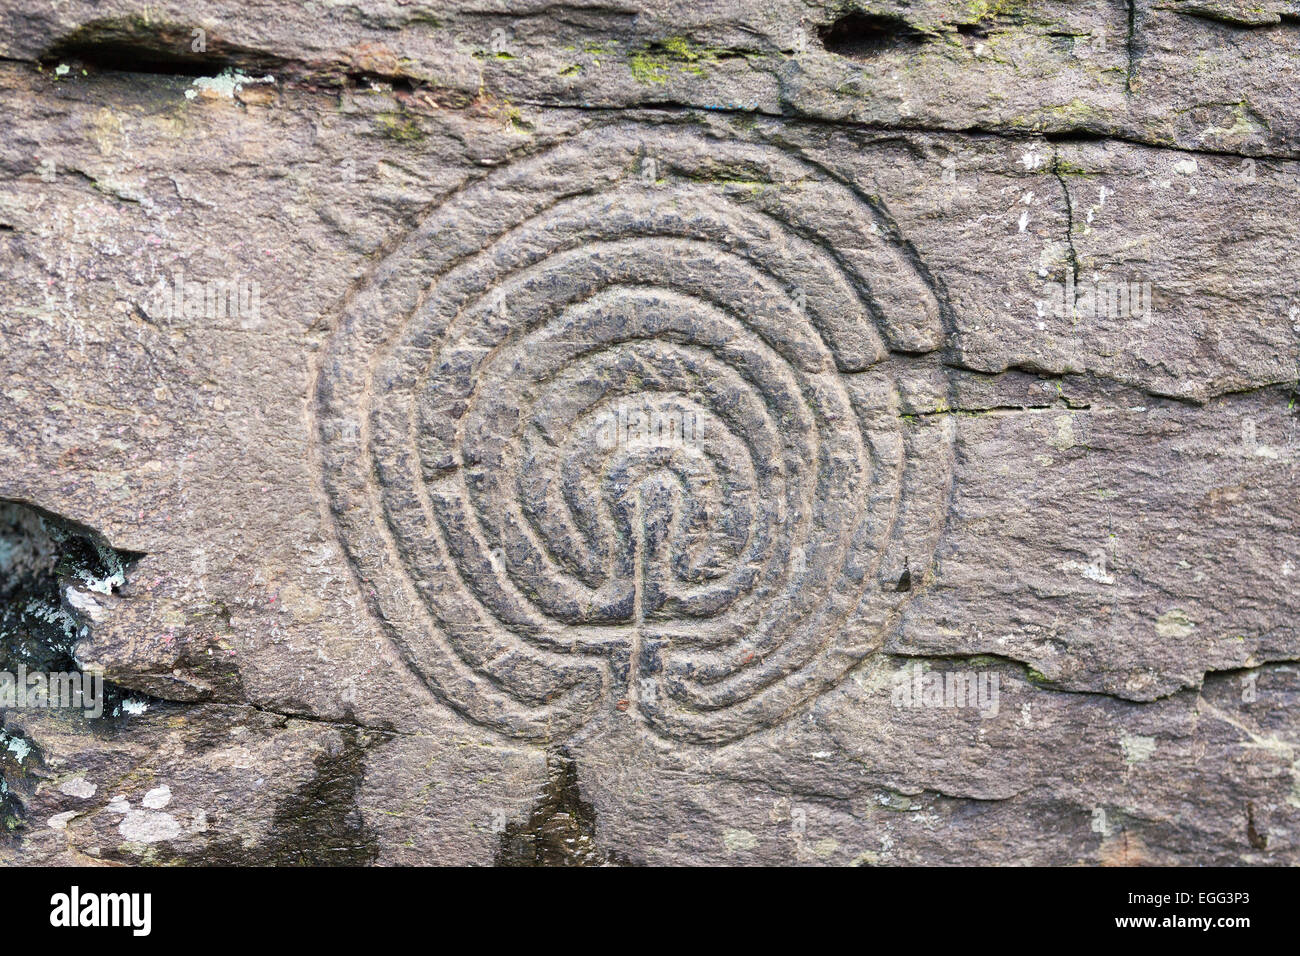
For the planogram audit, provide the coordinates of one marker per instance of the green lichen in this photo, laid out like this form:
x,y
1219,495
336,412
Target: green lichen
x,y
1066,168
399,127
680,48
1037,677
984,9
1075,113
647,69
516,123
655,62
730,176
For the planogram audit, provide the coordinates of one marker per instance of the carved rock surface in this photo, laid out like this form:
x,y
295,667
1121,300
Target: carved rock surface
x,y
670,433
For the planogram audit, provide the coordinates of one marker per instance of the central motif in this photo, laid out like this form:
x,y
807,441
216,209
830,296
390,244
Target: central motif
x,y
613,428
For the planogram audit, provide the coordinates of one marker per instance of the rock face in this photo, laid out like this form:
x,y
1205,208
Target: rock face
x,y
672,433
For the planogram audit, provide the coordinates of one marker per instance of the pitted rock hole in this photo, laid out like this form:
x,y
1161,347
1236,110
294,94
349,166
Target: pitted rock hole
x,y
49,565
52,569
41,557
860,35
135,46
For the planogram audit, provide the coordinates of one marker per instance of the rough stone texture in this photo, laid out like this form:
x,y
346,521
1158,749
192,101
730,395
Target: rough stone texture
x,y
392,594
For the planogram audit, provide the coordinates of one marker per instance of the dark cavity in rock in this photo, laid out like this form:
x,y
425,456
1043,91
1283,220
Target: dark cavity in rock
x,y
41,556
861,35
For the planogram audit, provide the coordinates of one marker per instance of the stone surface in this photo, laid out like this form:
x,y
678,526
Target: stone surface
x,y
590,433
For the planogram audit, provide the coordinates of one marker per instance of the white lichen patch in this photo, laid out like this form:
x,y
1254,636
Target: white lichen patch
x,y
60,821
43,610
1243,126
224,85
16,746
1174,623
1064,437
157,798
118,804
1137,748
825,847
83,603
1031,159
132,707
1092,570
148,826
78,787
115,576
738,840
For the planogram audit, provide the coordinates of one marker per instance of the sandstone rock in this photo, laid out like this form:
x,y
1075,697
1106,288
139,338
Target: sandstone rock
x,y
652,434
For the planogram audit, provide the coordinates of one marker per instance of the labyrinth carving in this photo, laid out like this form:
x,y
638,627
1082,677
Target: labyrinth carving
x,y
616,430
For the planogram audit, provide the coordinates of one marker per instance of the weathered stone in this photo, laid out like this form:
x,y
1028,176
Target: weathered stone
x,y
675,435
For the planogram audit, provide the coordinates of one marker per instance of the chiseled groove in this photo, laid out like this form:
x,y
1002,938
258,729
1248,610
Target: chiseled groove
x,y
834,567
758,391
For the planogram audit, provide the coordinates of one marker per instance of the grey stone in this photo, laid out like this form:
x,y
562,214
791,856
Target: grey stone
x,y
663,434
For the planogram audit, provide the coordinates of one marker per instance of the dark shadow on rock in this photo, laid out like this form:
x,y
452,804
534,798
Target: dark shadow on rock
x,y
561,829
321,824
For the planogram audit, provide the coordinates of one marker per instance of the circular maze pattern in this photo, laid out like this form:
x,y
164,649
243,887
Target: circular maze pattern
x,y
614,430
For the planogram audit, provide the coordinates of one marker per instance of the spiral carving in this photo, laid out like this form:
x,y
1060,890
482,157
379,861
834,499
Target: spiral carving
x,y
611,432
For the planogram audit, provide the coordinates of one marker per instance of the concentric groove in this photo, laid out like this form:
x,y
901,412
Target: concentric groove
x,y
605,443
